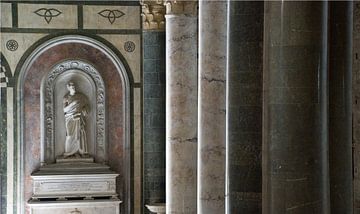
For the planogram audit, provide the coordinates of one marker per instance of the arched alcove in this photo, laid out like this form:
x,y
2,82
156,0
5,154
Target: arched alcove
x,y
40,63
88,82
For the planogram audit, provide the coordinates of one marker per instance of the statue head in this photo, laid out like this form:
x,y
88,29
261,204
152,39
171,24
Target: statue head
x,y
71,87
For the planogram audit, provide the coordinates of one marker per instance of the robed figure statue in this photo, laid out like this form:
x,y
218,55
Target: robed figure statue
x,y
75,110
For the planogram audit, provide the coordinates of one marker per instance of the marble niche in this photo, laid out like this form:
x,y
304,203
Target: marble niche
x,y
74,176
74,128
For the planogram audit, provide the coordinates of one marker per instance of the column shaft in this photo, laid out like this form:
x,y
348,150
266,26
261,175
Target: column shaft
x,y
340,109
212,106
244,109
295,169
181,113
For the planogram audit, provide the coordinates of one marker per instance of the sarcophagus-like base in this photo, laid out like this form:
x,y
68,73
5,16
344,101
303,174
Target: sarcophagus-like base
x,y
66,180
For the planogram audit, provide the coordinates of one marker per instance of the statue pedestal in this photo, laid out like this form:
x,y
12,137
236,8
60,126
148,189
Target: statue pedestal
x,y
70,183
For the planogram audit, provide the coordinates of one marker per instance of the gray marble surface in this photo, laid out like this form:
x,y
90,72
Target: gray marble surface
x,y
212,106
181,113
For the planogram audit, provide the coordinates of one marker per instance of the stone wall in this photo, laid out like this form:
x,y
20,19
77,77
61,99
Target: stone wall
x,y
154,117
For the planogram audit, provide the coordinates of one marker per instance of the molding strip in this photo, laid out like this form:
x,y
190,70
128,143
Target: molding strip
x,y
92,31
10,151
14,12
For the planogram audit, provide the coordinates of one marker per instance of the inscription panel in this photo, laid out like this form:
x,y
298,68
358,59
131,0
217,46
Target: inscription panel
x,y
73,207
60,187
67,186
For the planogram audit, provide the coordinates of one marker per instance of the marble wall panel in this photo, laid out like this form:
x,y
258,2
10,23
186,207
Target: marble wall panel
x,y
130,47
47,16
154,118
245,106
137,151
6,15
10,154
22,42
128,17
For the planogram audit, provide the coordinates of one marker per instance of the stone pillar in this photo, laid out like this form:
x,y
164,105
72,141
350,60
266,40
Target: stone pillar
x,y
181,106
340,107
244,109
295,144
212,106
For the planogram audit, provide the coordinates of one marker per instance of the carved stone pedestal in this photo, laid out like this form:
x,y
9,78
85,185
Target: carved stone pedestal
x,y
77,186
159,208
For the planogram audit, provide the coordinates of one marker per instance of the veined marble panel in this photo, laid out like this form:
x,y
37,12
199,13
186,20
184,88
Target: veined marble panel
x,y
111,17
23,41
6,15
47,16
130,48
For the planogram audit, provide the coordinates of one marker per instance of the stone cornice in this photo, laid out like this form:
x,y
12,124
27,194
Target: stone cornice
x,y
153,14
179,7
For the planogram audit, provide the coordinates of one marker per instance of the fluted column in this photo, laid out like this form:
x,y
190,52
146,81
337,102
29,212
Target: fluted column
x,y
181,107
295,144
212,106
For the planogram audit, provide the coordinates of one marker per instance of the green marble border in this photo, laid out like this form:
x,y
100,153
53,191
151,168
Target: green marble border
x,y
14,13
3,137
89,31
84,2
80,4
80,13
3,149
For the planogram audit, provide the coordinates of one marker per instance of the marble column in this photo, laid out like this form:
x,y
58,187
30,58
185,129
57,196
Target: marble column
x,y
340,107
212,106
244,109
356,105
295,144
181,106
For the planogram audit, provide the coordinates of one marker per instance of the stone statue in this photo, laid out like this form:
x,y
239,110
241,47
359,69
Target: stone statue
x,y
75,110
